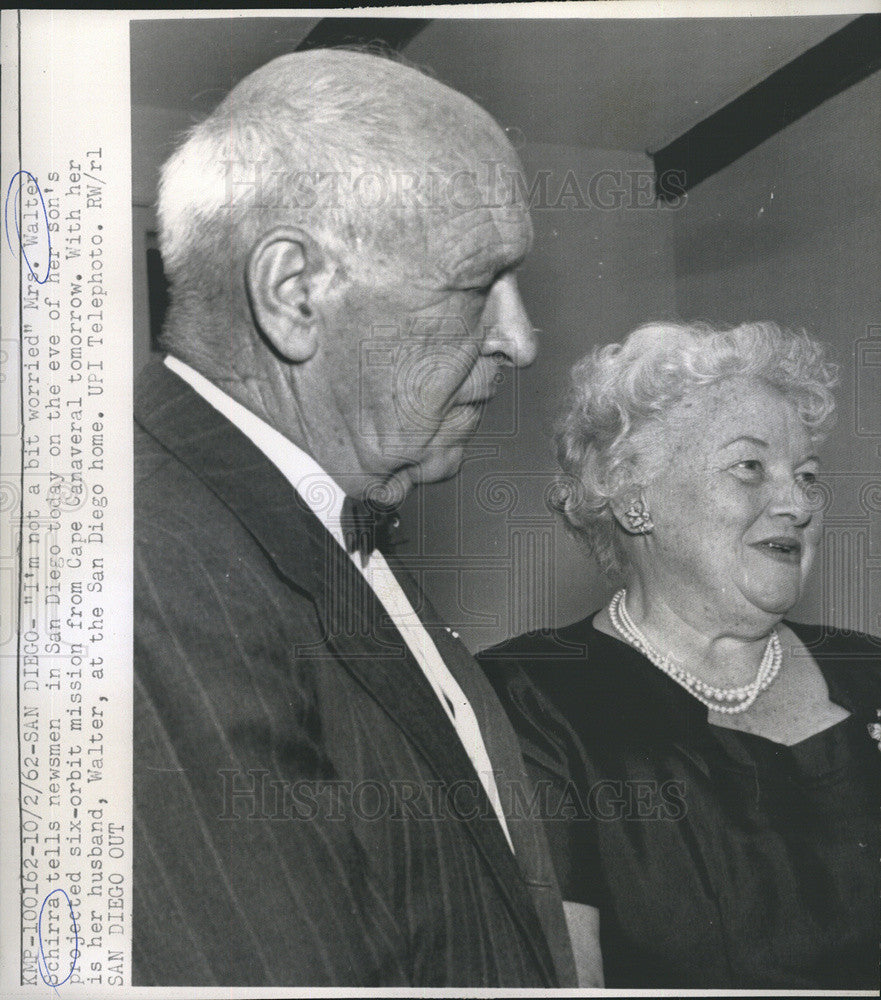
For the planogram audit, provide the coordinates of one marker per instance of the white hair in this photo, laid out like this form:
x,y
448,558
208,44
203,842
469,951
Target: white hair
x,y
286,146
608,438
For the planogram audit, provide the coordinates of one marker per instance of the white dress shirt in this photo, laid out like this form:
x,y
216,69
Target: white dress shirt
x,y
325,498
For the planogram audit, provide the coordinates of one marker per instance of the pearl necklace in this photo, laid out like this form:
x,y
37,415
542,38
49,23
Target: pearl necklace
x,y
728,701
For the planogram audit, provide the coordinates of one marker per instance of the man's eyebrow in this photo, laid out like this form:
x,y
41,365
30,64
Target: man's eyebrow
x,y
483,274
746,437
492,258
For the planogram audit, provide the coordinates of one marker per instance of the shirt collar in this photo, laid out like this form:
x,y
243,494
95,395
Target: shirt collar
x,y
318,490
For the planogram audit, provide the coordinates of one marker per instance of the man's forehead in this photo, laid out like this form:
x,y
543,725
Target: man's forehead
x,y
481,211
469,245
489,238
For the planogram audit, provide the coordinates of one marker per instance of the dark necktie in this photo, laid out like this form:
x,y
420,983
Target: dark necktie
x,y
367,526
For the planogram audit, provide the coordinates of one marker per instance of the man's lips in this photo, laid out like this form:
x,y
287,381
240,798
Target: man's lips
x,y
783,548
475,403
462,417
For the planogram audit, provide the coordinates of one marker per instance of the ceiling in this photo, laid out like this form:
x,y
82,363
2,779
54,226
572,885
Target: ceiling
x,y
612,84
628,83
189,64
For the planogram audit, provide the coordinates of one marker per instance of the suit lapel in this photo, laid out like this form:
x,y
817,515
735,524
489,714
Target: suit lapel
x,y
235,470
516,790
306,554
403,691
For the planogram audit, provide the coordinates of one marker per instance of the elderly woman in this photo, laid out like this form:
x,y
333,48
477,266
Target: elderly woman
x,y
722,817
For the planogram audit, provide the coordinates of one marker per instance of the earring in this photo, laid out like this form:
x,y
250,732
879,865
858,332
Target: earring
x,y
638,517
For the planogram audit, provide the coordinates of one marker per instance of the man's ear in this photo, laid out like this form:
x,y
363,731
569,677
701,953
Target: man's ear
x,y
282,278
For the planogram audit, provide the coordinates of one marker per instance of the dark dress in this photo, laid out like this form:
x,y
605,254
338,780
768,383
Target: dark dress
x,y
717,859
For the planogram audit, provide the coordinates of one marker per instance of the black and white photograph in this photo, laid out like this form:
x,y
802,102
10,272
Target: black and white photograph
x,y
488,595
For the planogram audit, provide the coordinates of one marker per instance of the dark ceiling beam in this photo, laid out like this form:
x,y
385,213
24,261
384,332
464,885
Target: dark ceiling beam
x,y
825,70
390,32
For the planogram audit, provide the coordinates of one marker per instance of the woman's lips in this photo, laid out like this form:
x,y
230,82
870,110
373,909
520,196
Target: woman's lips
x,y
781,548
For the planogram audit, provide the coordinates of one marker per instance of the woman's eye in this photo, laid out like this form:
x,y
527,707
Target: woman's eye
x,y
749,469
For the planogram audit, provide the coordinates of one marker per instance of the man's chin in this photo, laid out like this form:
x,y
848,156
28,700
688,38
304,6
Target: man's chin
x,y
444,464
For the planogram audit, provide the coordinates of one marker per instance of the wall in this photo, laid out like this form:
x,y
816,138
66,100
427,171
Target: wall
x,y
154,131
493,559
491,556
791,232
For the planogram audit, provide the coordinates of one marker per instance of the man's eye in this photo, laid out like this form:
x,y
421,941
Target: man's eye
x,y
807,478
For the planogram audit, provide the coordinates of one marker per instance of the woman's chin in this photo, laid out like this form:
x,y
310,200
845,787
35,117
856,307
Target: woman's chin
x,y
775,602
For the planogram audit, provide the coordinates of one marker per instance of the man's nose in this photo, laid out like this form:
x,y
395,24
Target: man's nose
x,y
508,332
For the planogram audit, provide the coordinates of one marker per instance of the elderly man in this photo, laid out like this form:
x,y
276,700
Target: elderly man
x,y
326,790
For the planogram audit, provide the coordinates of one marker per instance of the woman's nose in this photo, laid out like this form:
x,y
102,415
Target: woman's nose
x,y
791,498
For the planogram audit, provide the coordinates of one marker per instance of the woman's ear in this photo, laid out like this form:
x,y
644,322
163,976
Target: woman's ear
x,y
632,512
281,276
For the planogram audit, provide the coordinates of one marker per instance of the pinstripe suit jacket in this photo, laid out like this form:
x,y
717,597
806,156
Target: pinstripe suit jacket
x,y
304,811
